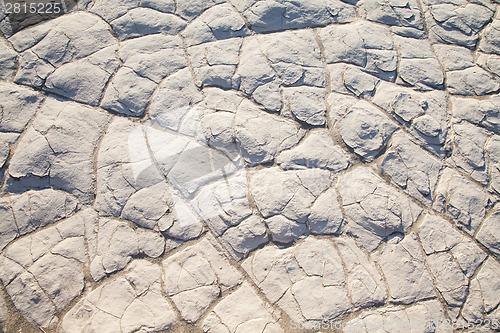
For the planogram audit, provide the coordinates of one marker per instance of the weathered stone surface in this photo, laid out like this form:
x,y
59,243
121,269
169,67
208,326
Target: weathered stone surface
x,y
132,166
493,153
58,149
116,244
475,146
326,214
374,210
316,151
421,73
4,313
438,236
222,100
195,166
45,279
195,277
148,207
73,37
18,106
395,13
49,268
218,130
418,66
363,44
343,45
489,62
241,311
275,15
24,213
295,56
450,280
245,237
462,200
251,166
457,23
307,104
185,163
224,203
128,93
146,61
411,168
405,272
7,60
4,153
128,303
175,96
288,193
490,42
422,316
225,207
262,136
284,230
364,282
153,57
338,105
424,115
480,304
51,272
346,79
112,10
216,23
454,57
146,21
463,77
255,75
116,182
308,280
470,150
215,63
187,10
33,71
27,294
489,235
151,244
291,58
484,113
84,80
366,129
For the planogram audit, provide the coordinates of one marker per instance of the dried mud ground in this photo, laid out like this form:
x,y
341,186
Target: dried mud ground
x,y
243,166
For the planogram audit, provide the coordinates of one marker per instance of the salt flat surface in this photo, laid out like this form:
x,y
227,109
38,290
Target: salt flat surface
x,y
244,166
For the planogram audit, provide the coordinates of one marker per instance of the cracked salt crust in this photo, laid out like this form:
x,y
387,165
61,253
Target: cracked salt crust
x,y
246,166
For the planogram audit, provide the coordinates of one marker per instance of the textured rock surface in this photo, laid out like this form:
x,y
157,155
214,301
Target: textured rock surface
x,y
241,166
374,210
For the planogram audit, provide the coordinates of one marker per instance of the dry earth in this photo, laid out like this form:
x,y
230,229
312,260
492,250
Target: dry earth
x,y
242,166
